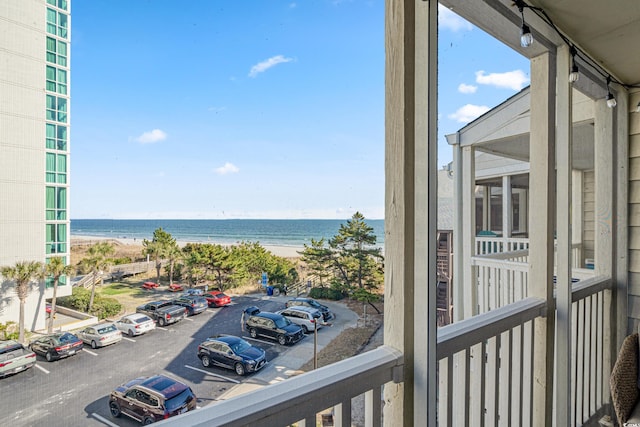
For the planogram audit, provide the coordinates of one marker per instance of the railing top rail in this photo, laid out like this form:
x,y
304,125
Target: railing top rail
x,y
503,255
292,400
461,335
587,287
502,239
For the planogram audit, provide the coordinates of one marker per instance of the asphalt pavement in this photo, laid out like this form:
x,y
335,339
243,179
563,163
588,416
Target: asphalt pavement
x,y
289,361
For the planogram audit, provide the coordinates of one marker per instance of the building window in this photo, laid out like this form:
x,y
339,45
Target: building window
x,y
56,238
56,168
57,23
56,203
56,109
56,137
56,80
61,4
56,52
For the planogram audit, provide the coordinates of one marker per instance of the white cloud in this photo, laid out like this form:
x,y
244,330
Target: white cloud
x,y
151,137
515,79
468,112
227,168
450,21
465,88
266,64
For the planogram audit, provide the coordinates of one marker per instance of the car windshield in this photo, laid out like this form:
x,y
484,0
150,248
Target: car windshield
x,y
240,346
178,400
66,338
315,304
107,329
282,322
142,319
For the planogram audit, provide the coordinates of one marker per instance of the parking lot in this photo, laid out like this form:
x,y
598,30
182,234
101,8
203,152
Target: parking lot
x,y
75,390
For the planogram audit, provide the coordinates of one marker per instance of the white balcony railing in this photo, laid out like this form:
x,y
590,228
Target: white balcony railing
x,y
485,373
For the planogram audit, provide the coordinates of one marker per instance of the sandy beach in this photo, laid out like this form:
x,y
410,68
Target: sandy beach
x,y
282,251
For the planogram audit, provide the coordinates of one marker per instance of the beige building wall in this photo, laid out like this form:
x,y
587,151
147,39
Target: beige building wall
x,y
22,151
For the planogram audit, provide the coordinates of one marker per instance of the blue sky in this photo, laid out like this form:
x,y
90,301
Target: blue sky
x,y
251,109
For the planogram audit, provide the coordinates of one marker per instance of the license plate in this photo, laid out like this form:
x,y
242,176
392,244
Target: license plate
x,y
183,410
72,352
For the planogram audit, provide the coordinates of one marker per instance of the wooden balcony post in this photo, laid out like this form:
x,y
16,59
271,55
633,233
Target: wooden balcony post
x,y
411,207
542,158
564,166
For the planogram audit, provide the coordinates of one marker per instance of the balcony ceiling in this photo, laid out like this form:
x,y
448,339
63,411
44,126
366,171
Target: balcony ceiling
x,y
609,32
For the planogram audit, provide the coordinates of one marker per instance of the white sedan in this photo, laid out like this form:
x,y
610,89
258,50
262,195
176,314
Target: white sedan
x,y
100,335
135,324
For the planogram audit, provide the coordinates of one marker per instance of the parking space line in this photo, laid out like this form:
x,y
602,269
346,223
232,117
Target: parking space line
x,y
211,373
104,420
186,318
257,340
161,328
90,352
41,368
128,339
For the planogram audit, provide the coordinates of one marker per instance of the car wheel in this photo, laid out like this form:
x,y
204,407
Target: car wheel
x,y
239,369
305,329
147,421
253,332
282,340
94,345
206,362
161,322
114,408
48,356
130,332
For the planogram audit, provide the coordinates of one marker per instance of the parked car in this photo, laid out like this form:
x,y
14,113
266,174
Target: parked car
x,y
151,399
135,324
193,304
310,302
307,317
15,358
232,353
217,299
150,285
273,326
163,312
193,292
100,335
176,287
56,346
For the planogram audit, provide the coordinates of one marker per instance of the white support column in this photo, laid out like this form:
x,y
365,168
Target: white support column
x,y
469,280
486,208
542,178
603,155
411,207
577,217
459,264
507,207
564,164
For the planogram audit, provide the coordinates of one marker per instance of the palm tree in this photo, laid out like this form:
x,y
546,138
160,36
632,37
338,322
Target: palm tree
x,y
23,273
158,247
174,254
56,268
97,260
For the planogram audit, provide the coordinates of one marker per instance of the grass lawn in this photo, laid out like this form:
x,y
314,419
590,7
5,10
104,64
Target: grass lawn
x,y
121,289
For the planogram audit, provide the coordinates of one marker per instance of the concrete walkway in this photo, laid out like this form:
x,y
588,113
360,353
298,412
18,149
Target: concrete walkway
x,y
289,362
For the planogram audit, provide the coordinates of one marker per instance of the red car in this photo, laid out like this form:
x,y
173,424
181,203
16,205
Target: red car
x,y
175,287
149,285
217,299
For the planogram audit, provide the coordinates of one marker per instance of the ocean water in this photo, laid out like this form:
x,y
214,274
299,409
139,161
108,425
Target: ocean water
x,y
277,232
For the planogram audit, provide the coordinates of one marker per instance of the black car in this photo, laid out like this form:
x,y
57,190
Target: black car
x,y
151,399
232,353
273,326
310,302
193,303
56,346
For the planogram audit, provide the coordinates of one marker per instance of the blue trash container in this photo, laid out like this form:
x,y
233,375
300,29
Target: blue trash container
x,y
269,290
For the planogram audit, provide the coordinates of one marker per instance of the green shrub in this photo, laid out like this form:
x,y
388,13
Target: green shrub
x,y
326,293
9,331
102,307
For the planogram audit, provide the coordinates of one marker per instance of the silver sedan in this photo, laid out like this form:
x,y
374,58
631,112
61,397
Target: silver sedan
x,y
100,335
